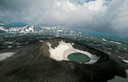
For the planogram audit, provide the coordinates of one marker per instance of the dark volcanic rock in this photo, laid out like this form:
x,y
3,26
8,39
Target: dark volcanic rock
x,y
33,64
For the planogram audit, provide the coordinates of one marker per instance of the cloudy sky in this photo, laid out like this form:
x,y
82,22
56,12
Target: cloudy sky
x,y
99,15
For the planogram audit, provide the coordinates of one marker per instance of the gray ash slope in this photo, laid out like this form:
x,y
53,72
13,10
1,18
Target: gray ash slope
x,y
33,64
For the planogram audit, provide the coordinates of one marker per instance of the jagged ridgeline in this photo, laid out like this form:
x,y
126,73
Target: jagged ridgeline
x,y
60,60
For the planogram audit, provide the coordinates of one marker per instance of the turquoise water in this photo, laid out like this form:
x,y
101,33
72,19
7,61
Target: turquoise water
x,y
78,57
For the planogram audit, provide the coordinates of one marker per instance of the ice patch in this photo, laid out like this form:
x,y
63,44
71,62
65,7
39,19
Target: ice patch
x,y
115,42
41,41
57,53
61,52
9,46
5,55
121,57
104,39
126,61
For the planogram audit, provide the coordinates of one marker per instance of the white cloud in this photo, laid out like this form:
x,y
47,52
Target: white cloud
x,y
96,15
54,12
65,12
119,17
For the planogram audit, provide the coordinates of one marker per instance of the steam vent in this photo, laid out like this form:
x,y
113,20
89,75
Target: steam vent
x,y
61,60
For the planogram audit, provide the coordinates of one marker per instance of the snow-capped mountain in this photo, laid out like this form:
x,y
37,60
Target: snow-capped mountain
x,y
29,29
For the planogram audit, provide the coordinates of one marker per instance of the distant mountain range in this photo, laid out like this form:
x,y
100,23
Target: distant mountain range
x,y
24,28
28,29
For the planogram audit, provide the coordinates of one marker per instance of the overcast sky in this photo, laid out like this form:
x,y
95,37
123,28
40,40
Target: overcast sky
x,y
110,16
